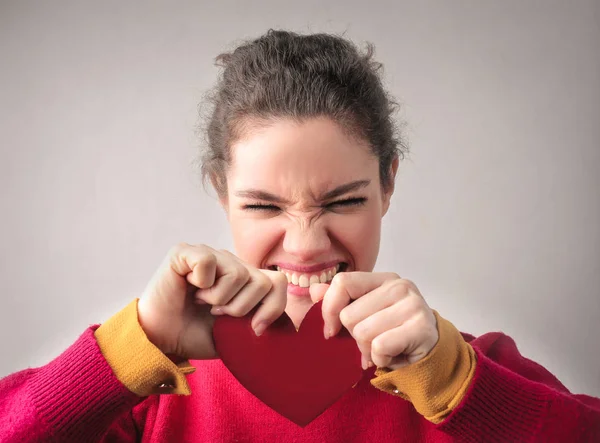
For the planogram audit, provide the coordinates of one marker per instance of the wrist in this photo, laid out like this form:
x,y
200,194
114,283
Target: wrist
x,y
146,323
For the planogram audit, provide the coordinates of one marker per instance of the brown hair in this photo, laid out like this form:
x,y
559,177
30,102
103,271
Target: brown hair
x,y
284,74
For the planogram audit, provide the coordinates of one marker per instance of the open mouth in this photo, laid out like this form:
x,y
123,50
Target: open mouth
x,y
304,280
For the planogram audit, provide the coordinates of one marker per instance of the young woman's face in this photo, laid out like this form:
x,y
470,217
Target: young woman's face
x,y
305,199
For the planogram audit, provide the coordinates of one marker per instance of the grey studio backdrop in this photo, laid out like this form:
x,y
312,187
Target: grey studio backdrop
x,y
496,216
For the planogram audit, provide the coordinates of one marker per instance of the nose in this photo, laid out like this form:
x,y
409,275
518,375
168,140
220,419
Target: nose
x,y
307,242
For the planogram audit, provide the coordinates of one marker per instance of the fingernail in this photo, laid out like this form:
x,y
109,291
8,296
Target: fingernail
x,y
370,364
260,328
217,310
363,362
327,332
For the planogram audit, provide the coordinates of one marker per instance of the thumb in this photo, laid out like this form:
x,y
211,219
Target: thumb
x,y
317,291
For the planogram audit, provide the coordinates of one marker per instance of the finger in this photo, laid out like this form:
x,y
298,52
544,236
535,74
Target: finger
x,y
365,351
257,287
197,264
381,321
345,287
404,344
273,304
317,291
231,276
370,310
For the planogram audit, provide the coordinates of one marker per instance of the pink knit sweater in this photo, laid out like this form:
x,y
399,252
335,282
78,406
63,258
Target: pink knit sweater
x,y
77,398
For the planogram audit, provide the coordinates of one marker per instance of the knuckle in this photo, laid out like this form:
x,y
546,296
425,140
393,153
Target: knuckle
x,y
240,274
418,304
360,334
226,253
420,301
378,361
378,347
219,299
427,321
211,297
279,279
365,349
411,286
263,283
346,318
341,279
239,310
205,259
398,289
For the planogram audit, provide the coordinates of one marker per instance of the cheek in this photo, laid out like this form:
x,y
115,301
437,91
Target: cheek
x,y
359,234
253,239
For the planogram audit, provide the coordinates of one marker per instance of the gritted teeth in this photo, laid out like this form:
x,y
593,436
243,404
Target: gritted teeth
x,y
304,280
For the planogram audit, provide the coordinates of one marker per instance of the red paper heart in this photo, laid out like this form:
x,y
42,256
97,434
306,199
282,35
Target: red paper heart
x,y
298,374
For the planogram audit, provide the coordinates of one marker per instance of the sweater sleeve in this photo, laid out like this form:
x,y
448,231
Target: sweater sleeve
x,y
74,398
512,398
436,384
483,389
122,341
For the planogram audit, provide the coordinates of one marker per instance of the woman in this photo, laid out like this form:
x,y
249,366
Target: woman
x,y
303,155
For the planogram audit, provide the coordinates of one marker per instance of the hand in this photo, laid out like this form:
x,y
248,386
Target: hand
x,y
194,283
387,316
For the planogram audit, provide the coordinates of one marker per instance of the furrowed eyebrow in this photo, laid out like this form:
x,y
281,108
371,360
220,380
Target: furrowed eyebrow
x,y
345,189
258,194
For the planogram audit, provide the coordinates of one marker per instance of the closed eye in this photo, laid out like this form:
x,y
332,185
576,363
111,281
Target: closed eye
x,y
261,207
359,201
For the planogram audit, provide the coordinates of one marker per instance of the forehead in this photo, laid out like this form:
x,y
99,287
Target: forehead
x,y
300,158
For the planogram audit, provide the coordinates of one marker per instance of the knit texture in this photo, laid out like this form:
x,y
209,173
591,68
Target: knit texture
x,y
74,398
515,399
77,398
136,362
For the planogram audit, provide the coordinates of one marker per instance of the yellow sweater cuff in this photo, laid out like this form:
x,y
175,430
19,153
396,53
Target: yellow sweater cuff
x,y
437,383
136,361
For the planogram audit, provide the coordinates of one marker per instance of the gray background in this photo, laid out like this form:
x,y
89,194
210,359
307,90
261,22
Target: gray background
x,y
497,212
